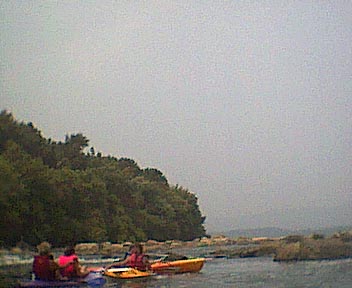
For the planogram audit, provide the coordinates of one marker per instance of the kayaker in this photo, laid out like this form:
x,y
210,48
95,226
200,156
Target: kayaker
x,y
136,260
73,270
44,265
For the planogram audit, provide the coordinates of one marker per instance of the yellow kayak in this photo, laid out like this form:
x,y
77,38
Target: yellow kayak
x,y
179,266
126,273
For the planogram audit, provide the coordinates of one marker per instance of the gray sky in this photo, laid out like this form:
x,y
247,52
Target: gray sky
x,y
247,104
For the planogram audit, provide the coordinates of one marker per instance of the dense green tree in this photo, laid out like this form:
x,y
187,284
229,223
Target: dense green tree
x,y
154,175
11,204
55,191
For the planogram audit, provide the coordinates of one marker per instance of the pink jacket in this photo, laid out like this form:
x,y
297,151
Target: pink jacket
x,y
69,271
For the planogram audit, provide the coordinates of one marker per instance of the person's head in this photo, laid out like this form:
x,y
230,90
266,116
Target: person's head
x,y
70,250
44,248
138,248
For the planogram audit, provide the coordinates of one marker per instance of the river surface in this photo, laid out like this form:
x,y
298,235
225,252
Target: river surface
x,y
248,272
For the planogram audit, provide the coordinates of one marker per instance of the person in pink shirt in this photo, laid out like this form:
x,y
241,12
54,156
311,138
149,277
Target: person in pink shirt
x,y
74,270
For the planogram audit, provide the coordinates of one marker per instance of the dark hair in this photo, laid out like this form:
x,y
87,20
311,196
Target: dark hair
x,y
69,251
139,247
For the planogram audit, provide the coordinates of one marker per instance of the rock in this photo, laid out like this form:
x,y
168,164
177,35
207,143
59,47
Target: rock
x,y
87,248
176,244
293,238
244,241
117,248
345,236
260,239
316,236
127,244
24,246
288,252
191,244
105,248
16,250
152,243
204,242
310,249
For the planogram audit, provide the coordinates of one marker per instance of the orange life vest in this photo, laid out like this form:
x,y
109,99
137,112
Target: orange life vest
x,y
136,261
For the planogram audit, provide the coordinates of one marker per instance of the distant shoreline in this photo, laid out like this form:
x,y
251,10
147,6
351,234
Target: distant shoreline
x,y
286,248
280,232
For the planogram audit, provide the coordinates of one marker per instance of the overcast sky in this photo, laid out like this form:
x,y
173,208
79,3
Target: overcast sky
x,y
248,104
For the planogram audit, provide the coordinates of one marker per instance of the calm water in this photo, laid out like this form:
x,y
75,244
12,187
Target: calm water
x,y
250,272
260,272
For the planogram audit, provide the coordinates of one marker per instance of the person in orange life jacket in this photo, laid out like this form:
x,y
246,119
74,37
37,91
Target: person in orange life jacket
x,y
136,259
44,265
75,269
128,253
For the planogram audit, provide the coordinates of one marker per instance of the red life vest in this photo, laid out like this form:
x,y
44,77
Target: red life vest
x,y
69,271
41,268
136,261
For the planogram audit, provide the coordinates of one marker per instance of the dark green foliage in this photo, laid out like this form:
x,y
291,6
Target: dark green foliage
x,y
54,191
154,175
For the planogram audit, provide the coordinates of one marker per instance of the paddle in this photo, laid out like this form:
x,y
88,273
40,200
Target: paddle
x,y
118,270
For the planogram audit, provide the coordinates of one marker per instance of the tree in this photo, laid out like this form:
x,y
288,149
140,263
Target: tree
x,y
54,191
154,175
11,204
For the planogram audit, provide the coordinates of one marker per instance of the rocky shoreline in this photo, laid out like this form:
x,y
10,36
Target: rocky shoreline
x,y
288,248
294,248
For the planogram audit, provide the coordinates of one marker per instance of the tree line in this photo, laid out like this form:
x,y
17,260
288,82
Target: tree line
x,y
65,192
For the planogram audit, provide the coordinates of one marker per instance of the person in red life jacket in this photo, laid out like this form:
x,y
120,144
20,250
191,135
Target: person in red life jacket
x,y
74,269
136,259
44,265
